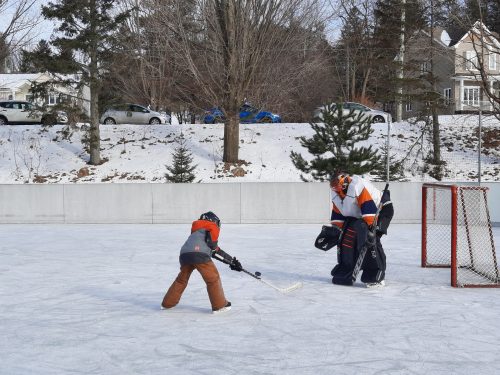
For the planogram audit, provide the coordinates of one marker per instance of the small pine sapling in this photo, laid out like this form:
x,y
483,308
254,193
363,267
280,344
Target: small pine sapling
x,y
181,169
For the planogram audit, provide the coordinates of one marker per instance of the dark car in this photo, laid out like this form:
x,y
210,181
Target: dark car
x,y
248,115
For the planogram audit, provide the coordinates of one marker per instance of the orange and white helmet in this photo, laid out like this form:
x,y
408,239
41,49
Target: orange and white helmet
x,y
339,182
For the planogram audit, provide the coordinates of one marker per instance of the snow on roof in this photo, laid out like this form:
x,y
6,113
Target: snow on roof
x,y
14,81
476,28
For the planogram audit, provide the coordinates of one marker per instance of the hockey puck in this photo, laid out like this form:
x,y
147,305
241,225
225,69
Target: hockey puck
x,y
257,273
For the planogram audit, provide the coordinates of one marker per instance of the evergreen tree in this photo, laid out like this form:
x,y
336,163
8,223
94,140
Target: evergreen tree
x,y
334,145
358,53
43,59
87,32
181,169
387,32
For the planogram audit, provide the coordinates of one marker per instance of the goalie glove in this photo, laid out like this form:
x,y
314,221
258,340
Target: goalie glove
x,y
328,237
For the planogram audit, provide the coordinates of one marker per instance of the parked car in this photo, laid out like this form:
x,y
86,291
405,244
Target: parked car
x,y
132,114
248,115
376,115
22,112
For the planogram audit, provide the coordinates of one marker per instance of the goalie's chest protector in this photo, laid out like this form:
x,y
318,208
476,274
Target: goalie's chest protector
x,y
347,206
350,206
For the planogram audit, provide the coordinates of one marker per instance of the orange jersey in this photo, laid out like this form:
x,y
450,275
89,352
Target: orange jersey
x,y
207,225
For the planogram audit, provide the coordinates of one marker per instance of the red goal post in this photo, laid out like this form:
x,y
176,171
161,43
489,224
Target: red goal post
x,y
456,233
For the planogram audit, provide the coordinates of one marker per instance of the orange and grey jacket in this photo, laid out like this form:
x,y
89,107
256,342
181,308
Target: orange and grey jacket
x,y
200,245
360,201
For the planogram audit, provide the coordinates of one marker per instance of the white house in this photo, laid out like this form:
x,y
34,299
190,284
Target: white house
x,y
17,86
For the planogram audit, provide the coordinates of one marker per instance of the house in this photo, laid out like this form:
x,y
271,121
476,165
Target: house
x,y
478,50
17,86
457,70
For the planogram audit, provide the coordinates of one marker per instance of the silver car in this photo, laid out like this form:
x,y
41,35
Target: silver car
x,y
376,115
132,114
22,112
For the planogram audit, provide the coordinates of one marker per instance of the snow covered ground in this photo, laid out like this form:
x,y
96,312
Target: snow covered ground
x,y
84,299
139,153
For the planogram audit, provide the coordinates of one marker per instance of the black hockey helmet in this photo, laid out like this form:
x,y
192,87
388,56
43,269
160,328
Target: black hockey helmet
x,y
210,216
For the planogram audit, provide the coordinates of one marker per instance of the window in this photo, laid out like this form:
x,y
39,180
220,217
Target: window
x,y
29,98
408,105
52,99
492,61
425,67
447,96
471,60
471,96
4,94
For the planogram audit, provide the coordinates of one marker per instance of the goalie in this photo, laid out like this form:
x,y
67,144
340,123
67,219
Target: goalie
x,y
354,206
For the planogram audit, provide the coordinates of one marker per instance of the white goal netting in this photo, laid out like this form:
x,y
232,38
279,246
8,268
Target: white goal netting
x,y
456,233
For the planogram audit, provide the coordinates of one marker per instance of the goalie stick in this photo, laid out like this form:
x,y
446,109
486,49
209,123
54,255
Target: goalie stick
x,y
364,249
289,289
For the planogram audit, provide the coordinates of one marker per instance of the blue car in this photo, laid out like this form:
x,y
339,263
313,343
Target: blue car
x,y
248,115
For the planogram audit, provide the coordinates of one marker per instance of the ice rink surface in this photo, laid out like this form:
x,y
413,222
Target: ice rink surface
x,y
85,299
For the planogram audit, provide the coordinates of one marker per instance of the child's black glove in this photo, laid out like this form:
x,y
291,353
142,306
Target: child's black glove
x,y
235,265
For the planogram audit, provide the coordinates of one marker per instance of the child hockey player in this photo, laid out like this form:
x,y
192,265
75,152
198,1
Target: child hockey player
x,y
354,206
196,253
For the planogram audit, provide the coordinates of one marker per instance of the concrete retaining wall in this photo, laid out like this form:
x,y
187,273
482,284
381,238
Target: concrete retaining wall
x,y
246,203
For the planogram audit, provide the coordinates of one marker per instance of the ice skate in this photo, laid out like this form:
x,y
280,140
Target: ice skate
x,y
223,309
379,284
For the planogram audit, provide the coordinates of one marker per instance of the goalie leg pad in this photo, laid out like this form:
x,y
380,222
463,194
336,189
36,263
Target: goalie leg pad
x,y
342,275
374,265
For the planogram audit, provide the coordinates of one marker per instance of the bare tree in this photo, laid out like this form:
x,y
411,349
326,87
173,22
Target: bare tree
x,y
230,51
17,28
143,67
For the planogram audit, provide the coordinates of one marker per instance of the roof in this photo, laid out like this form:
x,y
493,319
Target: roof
x,y
14,81
475,28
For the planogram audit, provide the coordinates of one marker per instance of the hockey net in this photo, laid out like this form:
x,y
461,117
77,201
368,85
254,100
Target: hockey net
x,y
456,233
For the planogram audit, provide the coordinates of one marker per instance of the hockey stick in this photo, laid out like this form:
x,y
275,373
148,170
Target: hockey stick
x,y
364,249
257,276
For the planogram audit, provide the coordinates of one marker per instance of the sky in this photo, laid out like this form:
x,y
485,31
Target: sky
x,y
140,153
85,299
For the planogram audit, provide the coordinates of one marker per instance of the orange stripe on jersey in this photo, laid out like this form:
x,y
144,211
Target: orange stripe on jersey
x,y
364,197
207,225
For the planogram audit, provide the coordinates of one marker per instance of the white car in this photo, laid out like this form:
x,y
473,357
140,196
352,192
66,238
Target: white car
x,y
22,112
376,115
132,114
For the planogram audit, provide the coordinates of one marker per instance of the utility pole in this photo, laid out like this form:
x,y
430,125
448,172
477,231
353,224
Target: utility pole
x,y
401,59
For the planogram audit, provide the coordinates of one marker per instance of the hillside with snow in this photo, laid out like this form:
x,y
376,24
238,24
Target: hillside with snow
x,y
140,153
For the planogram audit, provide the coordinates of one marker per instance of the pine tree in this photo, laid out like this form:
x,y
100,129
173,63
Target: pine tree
x,y
181,169
87,29
387,14
334,145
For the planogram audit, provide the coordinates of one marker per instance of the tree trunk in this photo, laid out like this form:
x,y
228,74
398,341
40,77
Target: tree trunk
x,y
401,59
436,141
94,133
231,138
